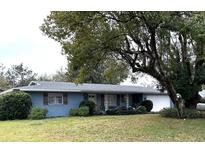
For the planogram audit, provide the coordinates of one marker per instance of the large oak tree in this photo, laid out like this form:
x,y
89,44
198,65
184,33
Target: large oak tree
x,y
169,46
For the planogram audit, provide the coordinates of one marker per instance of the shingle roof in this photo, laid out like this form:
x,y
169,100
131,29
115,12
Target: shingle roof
x,y
85,87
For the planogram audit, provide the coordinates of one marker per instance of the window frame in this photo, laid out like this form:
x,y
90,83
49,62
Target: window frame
x,y
55,95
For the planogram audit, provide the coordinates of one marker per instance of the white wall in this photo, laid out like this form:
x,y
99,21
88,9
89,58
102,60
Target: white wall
x,y
159,101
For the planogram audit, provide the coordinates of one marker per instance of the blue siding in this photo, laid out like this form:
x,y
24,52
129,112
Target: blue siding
x,y
74,100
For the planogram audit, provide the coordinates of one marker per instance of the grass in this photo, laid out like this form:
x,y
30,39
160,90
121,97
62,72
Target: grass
x,y
149,127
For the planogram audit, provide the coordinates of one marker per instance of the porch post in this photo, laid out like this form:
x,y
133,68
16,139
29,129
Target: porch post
x,y
105,102
127,101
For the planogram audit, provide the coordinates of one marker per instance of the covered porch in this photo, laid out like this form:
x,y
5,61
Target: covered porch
x,y
108,101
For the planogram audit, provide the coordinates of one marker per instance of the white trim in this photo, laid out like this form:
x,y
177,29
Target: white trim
x,y
127,101
50,90
88,91
7,91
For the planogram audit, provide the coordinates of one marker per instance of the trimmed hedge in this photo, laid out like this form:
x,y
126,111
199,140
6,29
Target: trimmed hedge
x,y
148,104
38,113
90,104
169,112
15,105
188,113
120,111
82,111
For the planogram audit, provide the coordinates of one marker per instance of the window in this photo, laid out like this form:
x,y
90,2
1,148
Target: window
x,y
110,101
124,99
55,98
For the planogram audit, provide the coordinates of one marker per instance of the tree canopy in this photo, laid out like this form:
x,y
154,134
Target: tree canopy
x,y
169,46
19,75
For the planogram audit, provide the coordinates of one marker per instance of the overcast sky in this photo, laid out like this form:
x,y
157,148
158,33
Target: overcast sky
x,y
22,41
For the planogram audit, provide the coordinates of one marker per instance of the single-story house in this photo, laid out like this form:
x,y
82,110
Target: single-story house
x,y
60,97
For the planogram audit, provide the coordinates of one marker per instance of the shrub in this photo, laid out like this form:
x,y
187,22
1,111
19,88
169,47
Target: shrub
x,y
141,110
129,111
15,105
192,114
188,113
73,112
148,104
83,111
169,112
38,113
202,114
131,108
90,104
111,112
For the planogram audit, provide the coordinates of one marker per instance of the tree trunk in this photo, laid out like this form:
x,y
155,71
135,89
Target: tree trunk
x,y
173,95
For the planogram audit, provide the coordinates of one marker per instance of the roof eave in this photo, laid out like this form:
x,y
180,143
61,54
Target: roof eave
x,y
91,91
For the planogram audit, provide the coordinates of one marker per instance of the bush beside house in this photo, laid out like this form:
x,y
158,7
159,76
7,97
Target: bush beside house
x,y
37,113
129,111
73,112
148,104
84,111
90,104
188,113
15,105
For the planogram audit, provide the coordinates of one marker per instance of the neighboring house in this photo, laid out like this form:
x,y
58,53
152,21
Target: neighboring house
x,y
60,97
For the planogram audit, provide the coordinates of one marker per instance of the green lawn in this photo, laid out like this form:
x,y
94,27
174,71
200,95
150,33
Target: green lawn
x,y
149,127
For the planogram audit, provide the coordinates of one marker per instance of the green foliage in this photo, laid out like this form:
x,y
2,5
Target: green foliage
x,y
15,105
19,75
4,83
73,112
161,44
192,114
83,111
108,70
188,113
91,105
148,104
37,113
169,112
141,110
99,67
120,111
